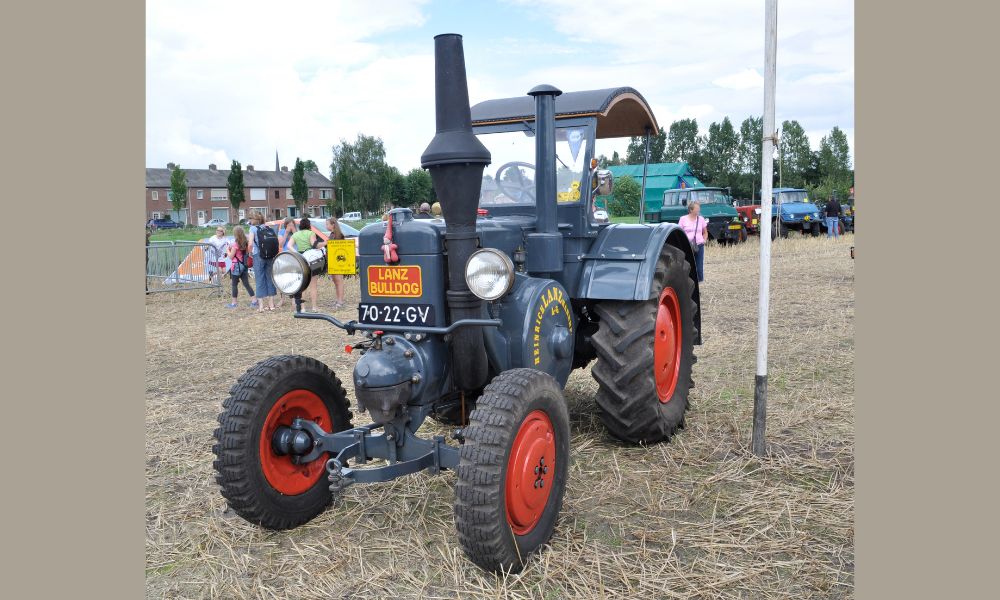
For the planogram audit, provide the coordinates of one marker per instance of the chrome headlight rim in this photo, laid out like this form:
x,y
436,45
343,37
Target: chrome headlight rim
x,y
298,262
507,274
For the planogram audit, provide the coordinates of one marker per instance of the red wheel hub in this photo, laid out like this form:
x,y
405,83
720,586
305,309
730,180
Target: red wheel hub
x,y
284,475
667,344
531,471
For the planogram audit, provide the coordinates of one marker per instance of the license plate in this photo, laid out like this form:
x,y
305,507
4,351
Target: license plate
x,y
376,313
735,226
394,281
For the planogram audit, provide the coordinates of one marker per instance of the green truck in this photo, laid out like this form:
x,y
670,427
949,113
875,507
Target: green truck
x,y
724,223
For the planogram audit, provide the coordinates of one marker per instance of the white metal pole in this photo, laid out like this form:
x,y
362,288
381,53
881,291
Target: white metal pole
x,y
767,177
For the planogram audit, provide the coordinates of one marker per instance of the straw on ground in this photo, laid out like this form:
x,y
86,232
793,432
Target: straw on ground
x,y
697,517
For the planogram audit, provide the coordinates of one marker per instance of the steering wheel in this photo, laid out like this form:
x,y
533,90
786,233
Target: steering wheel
x,y
521,189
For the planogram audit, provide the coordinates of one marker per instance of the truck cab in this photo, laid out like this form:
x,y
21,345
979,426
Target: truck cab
x,y
797,213
724,222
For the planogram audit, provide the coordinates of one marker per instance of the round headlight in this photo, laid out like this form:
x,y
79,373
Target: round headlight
x,y
489,273
290,273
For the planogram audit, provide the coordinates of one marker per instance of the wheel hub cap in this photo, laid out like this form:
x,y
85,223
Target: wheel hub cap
x,y
530,472
284,475
667,344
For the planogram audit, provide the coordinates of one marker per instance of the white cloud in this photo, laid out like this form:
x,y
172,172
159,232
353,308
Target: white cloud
x,y
747,79
238,80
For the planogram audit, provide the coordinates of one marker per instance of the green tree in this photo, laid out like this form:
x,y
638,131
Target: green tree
x,y
626,197
310,166
683,143
835,155
394,186
637,147
419,187
721,147
359,168
178,189
300,191
748,157
796,156
235,185
833,166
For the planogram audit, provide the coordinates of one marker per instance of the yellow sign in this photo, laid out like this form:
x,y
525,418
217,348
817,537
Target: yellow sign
x,y
340,257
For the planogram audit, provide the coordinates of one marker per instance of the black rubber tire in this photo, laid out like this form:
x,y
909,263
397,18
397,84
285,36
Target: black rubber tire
x,y
816,231
626,397
774,230
480,492
237,463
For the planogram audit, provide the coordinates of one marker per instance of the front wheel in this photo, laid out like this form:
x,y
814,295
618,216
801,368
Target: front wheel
x,y
774,229
260,485
512,470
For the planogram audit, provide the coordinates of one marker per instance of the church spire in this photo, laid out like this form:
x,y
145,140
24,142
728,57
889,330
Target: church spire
x,y
277,166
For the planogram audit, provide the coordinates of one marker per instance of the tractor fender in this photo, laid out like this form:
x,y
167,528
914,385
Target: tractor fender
x,y
622,261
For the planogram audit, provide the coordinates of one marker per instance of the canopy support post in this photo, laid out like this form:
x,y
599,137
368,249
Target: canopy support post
x,y
645,165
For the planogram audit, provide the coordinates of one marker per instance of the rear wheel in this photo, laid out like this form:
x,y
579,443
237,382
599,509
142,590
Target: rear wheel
x,y
260,485
645,354
512,471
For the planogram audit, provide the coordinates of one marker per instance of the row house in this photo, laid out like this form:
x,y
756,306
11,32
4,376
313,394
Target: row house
x,y
269,192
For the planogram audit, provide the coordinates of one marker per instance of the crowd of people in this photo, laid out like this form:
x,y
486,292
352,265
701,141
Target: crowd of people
x,y
243,253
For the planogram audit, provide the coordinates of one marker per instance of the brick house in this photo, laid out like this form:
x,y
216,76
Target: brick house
x,y
270,192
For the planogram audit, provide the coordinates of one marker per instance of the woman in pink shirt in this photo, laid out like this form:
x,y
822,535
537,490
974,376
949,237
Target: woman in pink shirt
x,y
696,228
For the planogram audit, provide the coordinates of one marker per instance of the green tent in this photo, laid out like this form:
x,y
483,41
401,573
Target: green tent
x,y
662,177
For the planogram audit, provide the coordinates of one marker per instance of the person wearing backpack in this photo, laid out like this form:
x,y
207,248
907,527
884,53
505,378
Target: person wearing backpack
x,y
263,244
305,239
238,256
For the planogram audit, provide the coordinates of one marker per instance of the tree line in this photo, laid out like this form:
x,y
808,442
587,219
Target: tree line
x,y
727,157
369,184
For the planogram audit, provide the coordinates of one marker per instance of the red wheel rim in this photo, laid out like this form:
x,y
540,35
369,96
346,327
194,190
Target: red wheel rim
x,y
531,471
667,344
284,475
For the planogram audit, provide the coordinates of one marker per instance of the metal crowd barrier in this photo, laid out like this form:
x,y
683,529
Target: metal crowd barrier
x,y
178,266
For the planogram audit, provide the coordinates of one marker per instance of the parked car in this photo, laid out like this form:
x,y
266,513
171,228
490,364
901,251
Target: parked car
x,y
216,223
724,223
351,217
163,224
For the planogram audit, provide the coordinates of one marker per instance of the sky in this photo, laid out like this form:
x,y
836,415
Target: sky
x,y
240,80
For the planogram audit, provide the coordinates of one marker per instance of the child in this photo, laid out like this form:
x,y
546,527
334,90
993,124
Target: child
x,y
239,271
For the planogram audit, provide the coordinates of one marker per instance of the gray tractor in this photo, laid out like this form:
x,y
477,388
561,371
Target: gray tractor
x,y
476,320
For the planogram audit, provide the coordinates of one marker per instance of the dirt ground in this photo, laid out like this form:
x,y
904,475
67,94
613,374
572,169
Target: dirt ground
x,y
697,517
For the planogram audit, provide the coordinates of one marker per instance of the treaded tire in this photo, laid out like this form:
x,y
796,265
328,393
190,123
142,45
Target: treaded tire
x,y
237,449
627,398
774,230
481,515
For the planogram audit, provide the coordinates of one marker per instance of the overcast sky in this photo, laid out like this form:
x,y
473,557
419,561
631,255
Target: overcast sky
x,y
239,80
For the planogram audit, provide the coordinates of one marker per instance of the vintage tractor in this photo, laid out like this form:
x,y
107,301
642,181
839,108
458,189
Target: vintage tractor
x,y
476,320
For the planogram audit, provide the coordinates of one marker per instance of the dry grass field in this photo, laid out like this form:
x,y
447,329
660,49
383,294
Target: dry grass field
x,y
697,517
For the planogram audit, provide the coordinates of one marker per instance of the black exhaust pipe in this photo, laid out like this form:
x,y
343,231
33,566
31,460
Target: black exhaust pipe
x,y
456,159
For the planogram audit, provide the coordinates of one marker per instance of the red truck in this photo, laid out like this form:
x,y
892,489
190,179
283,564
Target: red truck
x,y
749,213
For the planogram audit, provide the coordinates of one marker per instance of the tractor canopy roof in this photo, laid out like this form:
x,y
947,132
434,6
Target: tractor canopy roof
x,y
620,112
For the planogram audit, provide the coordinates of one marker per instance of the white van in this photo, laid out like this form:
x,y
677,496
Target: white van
x,y
351,216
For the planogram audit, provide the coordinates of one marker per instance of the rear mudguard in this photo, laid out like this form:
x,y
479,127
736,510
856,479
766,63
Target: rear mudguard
x,y
622,261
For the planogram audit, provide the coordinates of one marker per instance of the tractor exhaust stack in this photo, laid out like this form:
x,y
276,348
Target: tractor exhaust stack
x,y
456,159
545,246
